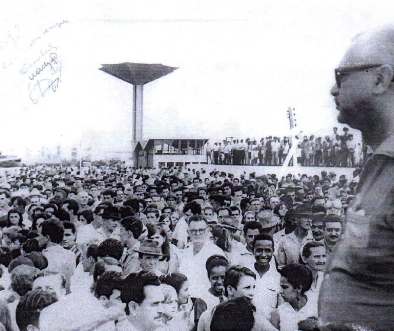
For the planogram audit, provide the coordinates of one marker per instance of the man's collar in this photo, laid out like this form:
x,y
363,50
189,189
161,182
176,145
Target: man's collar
x,y
386,147
52,244
292,235
72,247
243,250
329,247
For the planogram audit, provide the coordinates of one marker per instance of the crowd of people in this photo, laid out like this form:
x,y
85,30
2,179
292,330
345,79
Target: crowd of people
x,y
336,150
123,249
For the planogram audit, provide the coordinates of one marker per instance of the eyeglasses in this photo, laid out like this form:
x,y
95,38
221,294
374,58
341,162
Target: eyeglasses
x,y
197,231
340,72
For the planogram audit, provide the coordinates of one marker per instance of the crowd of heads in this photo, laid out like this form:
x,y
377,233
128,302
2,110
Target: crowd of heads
x,y
339,149
130,231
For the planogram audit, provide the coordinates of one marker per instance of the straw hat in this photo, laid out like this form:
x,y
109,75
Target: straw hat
x,y
149,247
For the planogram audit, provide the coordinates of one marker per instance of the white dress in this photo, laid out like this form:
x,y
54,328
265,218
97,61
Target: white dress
x,y
289,318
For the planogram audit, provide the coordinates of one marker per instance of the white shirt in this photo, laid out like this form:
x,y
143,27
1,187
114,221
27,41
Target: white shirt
x,y
277,237
81,282
289,248
193,267
125,325
247,259
101,235
77,311
313,292
180,233
237,254
210,299
267,290
60,260
204,323
86,234
289,318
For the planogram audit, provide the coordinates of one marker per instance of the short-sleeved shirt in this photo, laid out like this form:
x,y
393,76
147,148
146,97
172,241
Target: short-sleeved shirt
x,y
267,290
289,248
359,282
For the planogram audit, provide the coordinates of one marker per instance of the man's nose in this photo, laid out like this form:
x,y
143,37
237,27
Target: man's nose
x,y
161,308
334,90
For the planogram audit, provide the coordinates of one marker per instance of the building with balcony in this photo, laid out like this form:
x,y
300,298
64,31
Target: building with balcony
x,y
170,152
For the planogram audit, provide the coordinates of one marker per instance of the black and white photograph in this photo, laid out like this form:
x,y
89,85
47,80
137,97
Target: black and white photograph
x,y
217,165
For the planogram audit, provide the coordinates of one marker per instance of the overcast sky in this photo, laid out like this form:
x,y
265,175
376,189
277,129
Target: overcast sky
x,y
241,65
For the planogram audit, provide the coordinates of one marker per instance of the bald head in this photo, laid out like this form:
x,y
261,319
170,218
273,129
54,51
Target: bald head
x,y
364,89
371,47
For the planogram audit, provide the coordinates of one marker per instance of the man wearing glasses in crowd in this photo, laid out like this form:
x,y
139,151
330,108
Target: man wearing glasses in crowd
x,y
358,287
194,257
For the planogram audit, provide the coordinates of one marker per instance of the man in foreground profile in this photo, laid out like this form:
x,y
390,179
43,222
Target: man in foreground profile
x,y
358,286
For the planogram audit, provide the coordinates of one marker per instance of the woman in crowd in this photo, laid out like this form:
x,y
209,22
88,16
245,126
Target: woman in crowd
x,y
30,211
175,217
38,219
86,231
280,210
179,282
166,223
189,309
216,267
15,218
84,217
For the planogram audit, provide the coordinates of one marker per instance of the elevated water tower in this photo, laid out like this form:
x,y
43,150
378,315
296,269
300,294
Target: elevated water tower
x,y
137,74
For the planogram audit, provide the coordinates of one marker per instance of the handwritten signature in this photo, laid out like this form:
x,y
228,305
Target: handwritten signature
x,y
43,51
52,61
42,86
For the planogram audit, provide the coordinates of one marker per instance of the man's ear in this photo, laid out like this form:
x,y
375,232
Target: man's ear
x,y
131,234
303,258
230,290
383,78
133,306
103,299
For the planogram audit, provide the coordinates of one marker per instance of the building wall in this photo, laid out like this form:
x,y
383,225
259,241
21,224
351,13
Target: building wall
x,y
177,159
